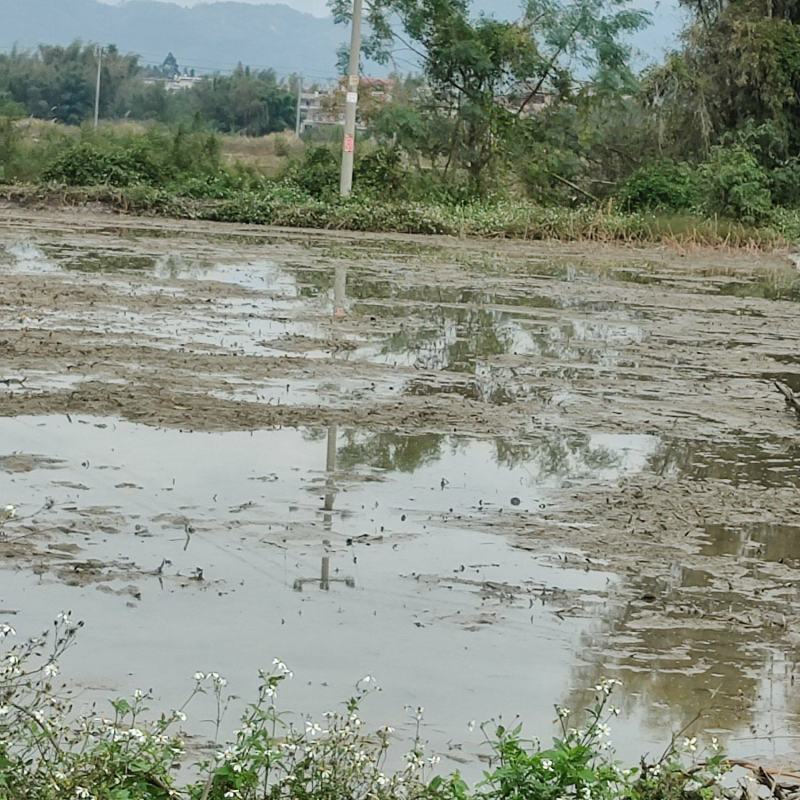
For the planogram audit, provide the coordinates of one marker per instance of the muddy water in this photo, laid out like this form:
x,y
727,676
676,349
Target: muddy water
x,y
488,475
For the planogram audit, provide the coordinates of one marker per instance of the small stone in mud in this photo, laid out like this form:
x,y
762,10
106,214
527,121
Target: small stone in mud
x,y
515,501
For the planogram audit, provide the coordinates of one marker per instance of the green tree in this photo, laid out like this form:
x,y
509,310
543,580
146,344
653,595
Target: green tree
x,y
482,75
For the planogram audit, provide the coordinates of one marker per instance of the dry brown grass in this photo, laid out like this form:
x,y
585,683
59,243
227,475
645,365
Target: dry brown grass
x,y
266,154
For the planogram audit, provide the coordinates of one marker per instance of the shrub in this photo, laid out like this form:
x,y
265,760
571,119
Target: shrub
x,y
785,183
380,171
9,146
662,186
735,185
316,173
87,164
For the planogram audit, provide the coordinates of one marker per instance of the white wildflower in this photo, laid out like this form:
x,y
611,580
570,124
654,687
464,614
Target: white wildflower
x,y
606,685
227,755
6,630
313,728
51,670
547,765
199,676
603,729
690,744
471,725
9,512
282,668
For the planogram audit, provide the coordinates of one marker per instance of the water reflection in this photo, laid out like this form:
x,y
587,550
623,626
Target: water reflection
x,y
684,646
464,330
325,580
340,291
761,542
763,462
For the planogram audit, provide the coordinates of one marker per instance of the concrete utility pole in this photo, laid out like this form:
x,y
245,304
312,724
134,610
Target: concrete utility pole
x,y
299,101
349,142
97,88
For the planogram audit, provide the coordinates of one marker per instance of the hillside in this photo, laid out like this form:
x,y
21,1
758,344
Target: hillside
x,y
208,37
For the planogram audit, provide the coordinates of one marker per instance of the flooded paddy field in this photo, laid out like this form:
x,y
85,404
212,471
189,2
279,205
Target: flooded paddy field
x,y
487,473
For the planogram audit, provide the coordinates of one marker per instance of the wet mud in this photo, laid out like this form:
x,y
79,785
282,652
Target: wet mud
x,y
490,473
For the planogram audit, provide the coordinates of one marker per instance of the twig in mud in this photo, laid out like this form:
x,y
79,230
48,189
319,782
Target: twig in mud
x,y
562,612
13,381
790,397
758,769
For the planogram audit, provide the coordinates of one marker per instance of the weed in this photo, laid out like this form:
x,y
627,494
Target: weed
x,y
48,751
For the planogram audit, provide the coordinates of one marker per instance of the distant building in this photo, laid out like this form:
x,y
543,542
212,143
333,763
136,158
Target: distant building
x,y
538,102
177,84
319,109
326,107
182,82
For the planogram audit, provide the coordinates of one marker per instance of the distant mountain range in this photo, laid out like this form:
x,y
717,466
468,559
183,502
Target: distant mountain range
x,y
215,36
208,38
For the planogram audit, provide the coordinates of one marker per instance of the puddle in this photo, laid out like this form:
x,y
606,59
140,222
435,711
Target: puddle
x,y
489,485
363,548
408,586
759,462
755,543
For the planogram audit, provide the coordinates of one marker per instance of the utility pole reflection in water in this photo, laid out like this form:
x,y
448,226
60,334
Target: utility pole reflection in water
x,y
340,292
329,501
330,474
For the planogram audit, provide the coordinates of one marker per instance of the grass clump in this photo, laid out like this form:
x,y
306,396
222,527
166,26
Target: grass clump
x,y
50,751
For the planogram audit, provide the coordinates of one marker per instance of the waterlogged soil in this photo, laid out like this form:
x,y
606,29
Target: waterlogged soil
x,y
488,473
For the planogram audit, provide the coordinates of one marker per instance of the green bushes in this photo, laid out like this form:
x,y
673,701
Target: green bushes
x,y
730,183
728,199
151,159
316,173
9,145
735,185
86,164
662,186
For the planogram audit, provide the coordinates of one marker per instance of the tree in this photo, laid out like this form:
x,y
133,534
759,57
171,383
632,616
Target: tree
x,y
482,74
170,68
739,68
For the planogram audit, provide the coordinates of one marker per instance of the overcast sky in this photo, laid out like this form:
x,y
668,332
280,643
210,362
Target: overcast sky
x,y
649,44
318,7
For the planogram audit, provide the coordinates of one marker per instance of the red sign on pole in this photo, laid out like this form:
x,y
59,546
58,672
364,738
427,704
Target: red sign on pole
x,y
349,144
